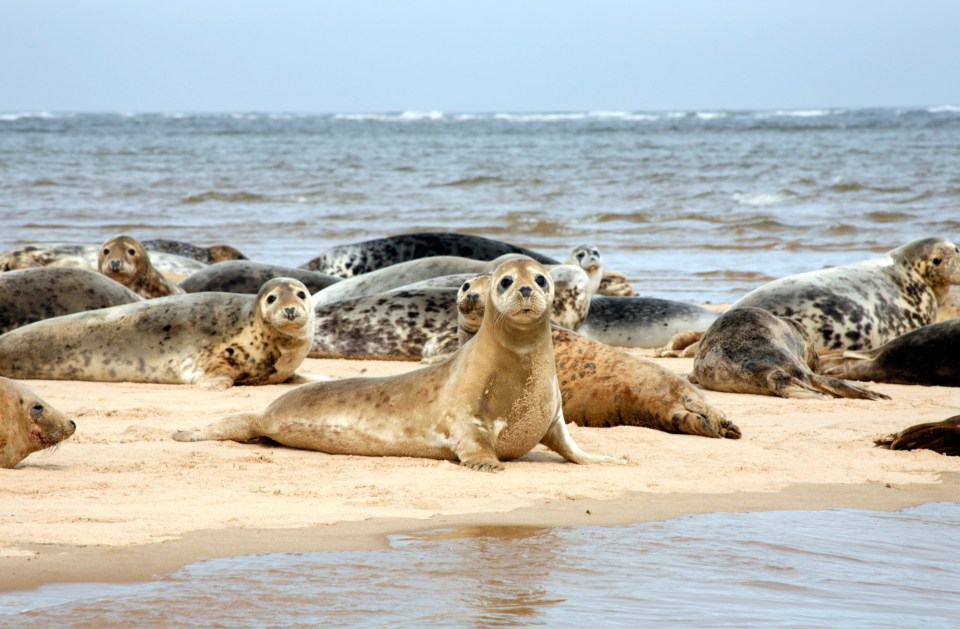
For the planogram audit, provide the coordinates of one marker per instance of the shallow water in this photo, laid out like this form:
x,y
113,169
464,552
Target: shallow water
x,y
690,205
833,568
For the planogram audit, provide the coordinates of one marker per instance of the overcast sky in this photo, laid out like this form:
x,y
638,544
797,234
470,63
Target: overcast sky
x,y
460,55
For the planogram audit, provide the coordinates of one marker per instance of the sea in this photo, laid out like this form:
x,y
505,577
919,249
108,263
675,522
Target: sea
x,y
698,206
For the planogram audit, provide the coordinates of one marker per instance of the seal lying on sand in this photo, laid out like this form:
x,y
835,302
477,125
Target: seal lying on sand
x,y
123,259
363,257
493,401
208,255
85,257
243,276
642,321
35,294
864,305
942,437
749,350
928,356
213,340
603,282
27,423
601,386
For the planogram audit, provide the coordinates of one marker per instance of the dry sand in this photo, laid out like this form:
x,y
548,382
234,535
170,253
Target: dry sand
x,y
120,500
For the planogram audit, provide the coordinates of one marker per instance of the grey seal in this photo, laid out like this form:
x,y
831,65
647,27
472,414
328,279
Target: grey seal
x,y
123,259
642,321
244,276
210,254
27,423
86,256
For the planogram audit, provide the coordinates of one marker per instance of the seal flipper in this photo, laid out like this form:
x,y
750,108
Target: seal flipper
x,y
559,440
788,386
240,427
841,388
942,437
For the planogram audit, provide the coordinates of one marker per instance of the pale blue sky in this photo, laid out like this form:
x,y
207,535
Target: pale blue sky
x,y
498,55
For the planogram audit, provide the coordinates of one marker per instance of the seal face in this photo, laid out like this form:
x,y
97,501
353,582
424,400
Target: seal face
x,y
244,276
587,257
601,386
864,305
942,437
27,423
123,259
749,350
494,400
926,356
35,294
363,257
213,340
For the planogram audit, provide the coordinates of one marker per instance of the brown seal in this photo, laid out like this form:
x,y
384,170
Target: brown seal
x,y
494,400
123,259
213,340
602,386
749,350
27,423
942,437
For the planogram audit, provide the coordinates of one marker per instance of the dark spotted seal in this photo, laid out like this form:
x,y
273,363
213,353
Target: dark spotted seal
x,y
213,340
942,437
208,255
27,423
363,257
749,350
642,321
493,401
123,259
864,305
243,276
929,356
35,294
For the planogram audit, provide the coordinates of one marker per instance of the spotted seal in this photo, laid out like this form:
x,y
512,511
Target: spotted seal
x,y
213,340
27,423
602,386
642,321
29,295
942,437
927,356
123,259
363,257
244,276
864,305
86,256
603,282
211,254
749,350
493,401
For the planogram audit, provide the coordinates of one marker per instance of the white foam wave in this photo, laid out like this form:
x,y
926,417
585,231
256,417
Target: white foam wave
x,y
405,116
944,109
800,113
762,199
30,115
712,115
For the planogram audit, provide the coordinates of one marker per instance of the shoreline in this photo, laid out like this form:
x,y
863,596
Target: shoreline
x,y
120,501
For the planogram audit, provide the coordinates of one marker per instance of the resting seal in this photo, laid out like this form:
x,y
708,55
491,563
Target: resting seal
x,y
243,276
123,259
749,350
363,257
35,294
213,340
642,321
942,437
27,423
929,356
208,255
86,256
493,401
611,283
864,305
601,386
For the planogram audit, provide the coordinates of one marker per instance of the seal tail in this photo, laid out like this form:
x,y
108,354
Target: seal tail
x,y
841,388
942,437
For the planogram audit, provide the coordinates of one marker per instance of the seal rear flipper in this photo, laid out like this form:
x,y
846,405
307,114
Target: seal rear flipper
x,y
942,437
787,386
559,440
841,388
242,427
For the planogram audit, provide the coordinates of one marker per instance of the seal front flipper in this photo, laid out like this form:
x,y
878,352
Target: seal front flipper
x,y
216,381
559,440
475,448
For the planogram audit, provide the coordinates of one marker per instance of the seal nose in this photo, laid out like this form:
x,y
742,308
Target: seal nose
x,y
114,265
526,291
290,313
473,297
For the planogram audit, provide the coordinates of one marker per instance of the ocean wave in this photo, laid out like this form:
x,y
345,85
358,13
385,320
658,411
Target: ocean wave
x,y
227,197
944,109
763,199
799,113
406,116
888,217
31,115
479,180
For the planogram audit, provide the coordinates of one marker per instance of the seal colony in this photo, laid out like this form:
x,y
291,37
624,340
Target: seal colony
x,y
27,423
494,400
212,340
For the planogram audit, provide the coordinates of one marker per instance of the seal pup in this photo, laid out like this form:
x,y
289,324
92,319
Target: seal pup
x,y
493,401
363,257
642,321
208,255
123,259
27,423
942,437
212,340
244,276
602,386
749,350
864,305
86,256
29,295
929,356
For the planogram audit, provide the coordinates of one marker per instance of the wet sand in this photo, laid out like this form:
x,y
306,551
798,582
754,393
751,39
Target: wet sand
x,y
121,501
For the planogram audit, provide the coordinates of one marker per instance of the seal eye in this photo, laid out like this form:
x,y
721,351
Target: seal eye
x,y
506,282
301,294
541,281
937,261
106,252
132,252
580,256
465,287
271,299
36,411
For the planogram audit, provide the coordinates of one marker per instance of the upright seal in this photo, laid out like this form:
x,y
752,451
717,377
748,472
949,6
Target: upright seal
x,y
123,259
493,401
